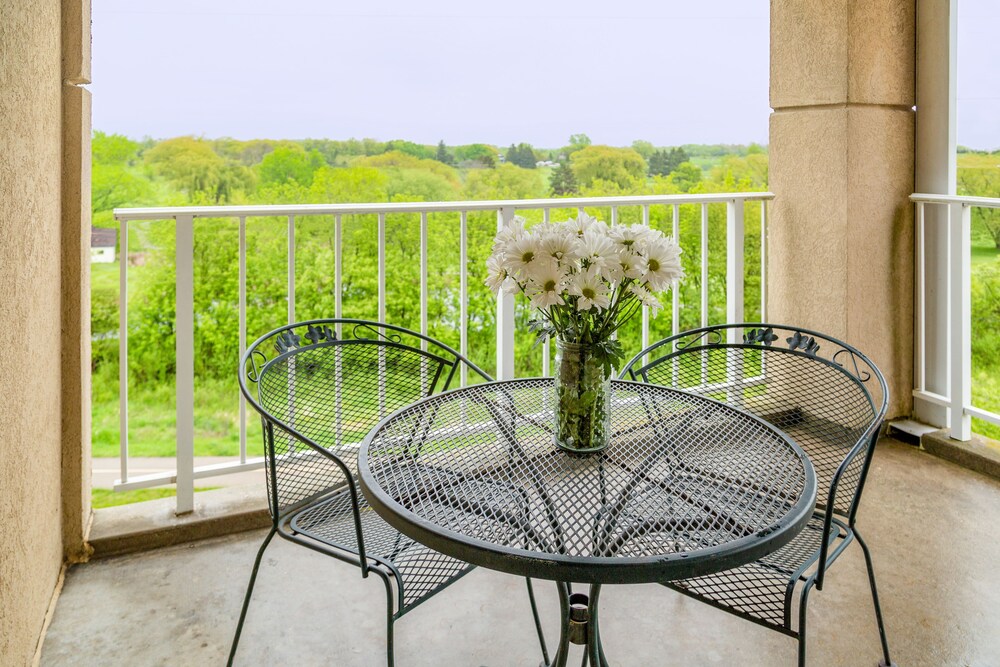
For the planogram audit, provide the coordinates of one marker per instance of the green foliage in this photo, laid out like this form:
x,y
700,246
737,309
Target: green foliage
x,y
643,148
576,142
506,181
563,182
686,177
982,182
193,166
476,155
410,148
522,155
289,163
443,155
113,149
621,166
663,162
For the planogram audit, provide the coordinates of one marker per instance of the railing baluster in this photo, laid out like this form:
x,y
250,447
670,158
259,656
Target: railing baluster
x,y
763,261
734,298
123,351
381,310
423,277
463,294
184,339
675,301
291,269
704,286
505,314
960,318
921,301
243,331
645,309
338,269
546,352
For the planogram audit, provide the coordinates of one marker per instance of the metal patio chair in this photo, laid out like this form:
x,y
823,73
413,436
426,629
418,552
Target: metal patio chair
x,y
319,387
831,400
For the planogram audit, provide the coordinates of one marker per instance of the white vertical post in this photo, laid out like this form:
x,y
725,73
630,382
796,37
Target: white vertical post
x,y
505,314
734,299
960,319
734,267
921,301
243,332
463,295
423,277
704,286
184,261
675,301
644,332
338,269
123,351
291,269
763,261
546,213
381,267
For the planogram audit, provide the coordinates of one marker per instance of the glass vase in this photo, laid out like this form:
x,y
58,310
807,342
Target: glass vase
x,y
582,399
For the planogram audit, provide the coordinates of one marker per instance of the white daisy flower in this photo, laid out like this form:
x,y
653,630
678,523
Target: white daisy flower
x,y
591,291
597,250
629,238
510,232
646,298
522,255
546,286
561,247
663,264
496,274
625,265
580,225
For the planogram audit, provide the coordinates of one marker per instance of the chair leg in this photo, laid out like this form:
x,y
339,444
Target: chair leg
x,y
803,601
886,662
390,618
246,598
538,621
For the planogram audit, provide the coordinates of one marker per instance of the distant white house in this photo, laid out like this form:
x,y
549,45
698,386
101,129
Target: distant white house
x,y
102,245
546,163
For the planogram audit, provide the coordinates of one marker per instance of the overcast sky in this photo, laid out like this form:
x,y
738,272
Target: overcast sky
x,y
665,71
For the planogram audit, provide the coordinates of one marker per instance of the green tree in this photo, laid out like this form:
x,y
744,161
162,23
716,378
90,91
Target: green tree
x,y
522,155
562,181
289,163
113,149
443,155
507,181
410,148
643,148
476,155
686,176
982,182
577,142
193,166
622,166
349,185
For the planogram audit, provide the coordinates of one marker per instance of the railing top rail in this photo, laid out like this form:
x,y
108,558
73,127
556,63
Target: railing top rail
x,y
986,202
168,212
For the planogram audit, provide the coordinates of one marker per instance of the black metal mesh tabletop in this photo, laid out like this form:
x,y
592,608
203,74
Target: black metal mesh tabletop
x,y
688,485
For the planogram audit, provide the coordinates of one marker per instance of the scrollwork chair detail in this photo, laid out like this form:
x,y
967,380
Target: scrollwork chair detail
x,y
319,387
832,400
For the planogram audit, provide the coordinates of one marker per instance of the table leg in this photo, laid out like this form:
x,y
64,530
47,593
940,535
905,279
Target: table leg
x,y
579,626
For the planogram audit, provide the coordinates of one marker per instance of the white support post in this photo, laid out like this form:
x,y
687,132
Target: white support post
x,y
243,332
184,260
291,269
505,315
734,298
123,351
463,295
960,320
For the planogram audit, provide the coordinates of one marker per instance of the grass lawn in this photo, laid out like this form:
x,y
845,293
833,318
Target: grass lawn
x,y
101,498
152,419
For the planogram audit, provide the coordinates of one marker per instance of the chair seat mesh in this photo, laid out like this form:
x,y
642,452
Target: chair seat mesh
x,y
422,571
760,590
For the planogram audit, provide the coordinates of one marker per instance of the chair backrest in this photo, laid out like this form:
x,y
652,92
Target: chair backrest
x,y
825,394
321,385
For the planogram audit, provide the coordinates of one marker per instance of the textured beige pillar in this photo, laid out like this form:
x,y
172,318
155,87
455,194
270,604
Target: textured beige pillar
x,y
841,167
76,206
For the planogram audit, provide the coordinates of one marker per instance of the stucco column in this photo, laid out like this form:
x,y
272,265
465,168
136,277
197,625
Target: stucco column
x,y
75,283
841,166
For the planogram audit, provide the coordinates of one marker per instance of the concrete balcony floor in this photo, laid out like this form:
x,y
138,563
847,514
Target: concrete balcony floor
x,y
934,529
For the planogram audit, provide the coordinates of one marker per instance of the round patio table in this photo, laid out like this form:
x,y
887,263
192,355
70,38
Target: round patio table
x,y
687,486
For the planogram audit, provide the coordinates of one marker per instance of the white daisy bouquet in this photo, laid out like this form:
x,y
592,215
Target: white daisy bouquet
x,y
585,278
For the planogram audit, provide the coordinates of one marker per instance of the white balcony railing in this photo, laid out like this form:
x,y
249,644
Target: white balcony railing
x,y
943,372
183,218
